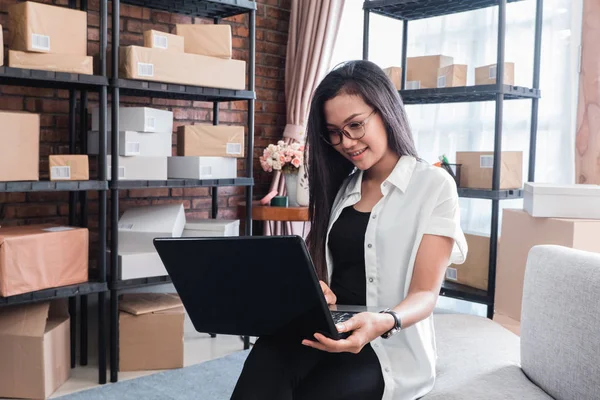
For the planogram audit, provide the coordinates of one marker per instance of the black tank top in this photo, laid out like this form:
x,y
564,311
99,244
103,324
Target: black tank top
x,y
346,243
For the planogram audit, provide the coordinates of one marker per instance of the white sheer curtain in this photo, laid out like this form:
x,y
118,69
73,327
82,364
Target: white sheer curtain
x,y
471,38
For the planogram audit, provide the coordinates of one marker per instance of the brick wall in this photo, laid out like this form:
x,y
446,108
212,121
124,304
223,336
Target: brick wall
x,y
272,27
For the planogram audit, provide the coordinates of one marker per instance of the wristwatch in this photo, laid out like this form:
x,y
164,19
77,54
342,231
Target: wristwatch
x,y
397,324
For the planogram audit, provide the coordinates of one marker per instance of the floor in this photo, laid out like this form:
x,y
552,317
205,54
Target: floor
x,y
201,347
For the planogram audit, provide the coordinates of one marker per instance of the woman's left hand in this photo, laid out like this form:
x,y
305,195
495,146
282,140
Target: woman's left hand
x,y
365,327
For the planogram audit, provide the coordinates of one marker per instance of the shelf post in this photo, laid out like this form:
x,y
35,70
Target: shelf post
x,y
215,190
537,55
366,23
404,52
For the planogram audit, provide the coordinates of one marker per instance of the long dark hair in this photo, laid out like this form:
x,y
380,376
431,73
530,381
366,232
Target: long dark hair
x,y
327,169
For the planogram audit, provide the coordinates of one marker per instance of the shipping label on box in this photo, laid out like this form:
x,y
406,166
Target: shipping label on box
x,y
137,119
135,144
43,28
202,168
210,140
69,63
69,168
486,75
164,41
37,257
422,72
452,76
182,68
35,348
139,168
207,40
474,271
477,168
20,149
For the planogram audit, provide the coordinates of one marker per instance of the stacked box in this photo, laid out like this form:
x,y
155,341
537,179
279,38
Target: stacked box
x,y
20,146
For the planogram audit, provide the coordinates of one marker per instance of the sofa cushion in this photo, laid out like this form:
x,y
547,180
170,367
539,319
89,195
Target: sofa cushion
x,y
478,359
560,322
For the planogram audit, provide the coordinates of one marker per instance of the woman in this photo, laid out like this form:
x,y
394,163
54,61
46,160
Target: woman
x,y
384,227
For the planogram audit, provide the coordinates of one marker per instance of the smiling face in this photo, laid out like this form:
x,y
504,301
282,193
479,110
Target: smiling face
x,y
350,111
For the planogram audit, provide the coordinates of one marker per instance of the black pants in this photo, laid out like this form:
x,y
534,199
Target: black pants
x,y
277,369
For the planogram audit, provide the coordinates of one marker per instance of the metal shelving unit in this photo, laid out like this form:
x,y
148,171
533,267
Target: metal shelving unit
x,y
409,10
78,192
215,10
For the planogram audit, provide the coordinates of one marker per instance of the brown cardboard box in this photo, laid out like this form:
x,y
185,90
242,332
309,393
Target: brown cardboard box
x,y
395,75
474,271
151,332
206,40
452,76
210,140
35,348
186,69
1,46
69,63
19,146
45,28
512,325
487,75
69,168
37,257
164,41
520,232
425,70
477,168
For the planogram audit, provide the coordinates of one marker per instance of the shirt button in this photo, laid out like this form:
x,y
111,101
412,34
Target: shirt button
x,y
371,280
374,216
387,370
369,245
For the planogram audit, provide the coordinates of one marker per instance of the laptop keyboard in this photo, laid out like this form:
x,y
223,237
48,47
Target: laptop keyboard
x,y
341,316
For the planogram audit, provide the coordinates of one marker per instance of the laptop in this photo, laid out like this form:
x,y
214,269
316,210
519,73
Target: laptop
x,y
250,286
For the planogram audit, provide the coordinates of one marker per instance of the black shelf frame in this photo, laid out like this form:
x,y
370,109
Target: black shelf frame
x,y
216,10
78,192
408,10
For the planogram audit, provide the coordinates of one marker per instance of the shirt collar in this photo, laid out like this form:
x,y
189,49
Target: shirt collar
x,y
399,177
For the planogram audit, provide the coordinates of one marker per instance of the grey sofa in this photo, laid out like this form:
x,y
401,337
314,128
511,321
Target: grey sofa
x,y
558,353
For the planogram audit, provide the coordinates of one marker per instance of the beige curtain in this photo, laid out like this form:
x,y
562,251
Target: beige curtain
x,y
314,25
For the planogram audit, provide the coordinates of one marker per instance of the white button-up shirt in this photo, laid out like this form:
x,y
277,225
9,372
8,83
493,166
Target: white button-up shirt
x,y
418,199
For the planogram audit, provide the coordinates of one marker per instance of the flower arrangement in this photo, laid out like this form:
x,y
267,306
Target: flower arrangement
x,y
282,157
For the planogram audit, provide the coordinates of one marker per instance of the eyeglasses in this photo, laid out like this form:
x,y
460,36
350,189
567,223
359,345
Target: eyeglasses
x,y
352,130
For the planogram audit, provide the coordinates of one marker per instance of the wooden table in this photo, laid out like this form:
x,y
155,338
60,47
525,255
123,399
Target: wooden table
x,y
278,214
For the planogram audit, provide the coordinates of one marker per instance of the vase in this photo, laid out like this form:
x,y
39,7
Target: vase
x,y
291,185
302,195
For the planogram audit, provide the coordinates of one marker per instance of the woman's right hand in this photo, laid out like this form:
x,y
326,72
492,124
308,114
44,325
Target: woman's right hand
x,y
329,295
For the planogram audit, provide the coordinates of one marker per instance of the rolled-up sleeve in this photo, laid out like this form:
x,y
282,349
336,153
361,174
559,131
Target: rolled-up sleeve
x,y
445,221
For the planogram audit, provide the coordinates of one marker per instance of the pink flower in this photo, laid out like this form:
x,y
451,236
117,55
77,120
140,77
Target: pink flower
x,y
282,159
301,148
296,163
288,159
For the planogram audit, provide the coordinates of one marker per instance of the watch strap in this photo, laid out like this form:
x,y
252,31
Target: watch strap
x,y
397,323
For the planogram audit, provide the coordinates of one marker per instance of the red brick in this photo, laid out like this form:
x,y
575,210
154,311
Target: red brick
x,y
130,11
181,19
265,119
228,213
149,193
135,26
278,14
17,197
239,105
50,135
267,23
177,192
260,34
202,203
93,20
30,210
231,190
26,91
161,17
93,34
240,30
271,2
267,72
240,19
240,43
196,215
203,104
131,39
94,48
283,26
195,192
266,94
11,103
234,201
147,25
170,102
146,13
134,100
277,37
63,209
190,114
233,117
285,4
186,203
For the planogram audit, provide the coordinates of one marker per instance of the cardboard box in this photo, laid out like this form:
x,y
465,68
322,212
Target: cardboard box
x,y
210,140
140,264
206,40
452,76
182,68
139,226
211,228
474,271
35,348
562,201
69,168
477,168
20,149
135,144
202,168
422,72
164,41
139,168
487,75
37,257
69,63
138,119
395,75
512,325
43,28
151,332
520,232
1,46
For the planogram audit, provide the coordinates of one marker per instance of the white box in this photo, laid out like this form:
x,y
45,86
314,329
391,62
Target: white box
x,y
211,228
202,168
140,168
132,143
139,226
562,201
140,119
140,264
